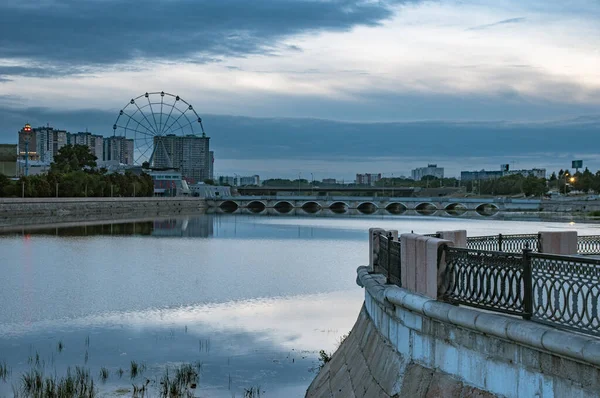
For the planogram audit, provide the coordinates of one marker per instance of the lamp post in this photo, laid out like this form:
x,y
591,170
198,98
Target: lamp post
x,y
565,179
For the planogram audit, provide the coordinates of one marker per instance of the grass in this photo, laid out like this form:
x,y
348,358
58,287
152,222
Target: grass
x,y
103,374
120,372
4,371
78,385
136,369
178,384
252,392
324,357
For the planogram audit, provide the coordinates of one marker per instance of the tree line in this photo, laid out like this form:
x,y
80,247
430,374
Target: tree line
x,y
74,173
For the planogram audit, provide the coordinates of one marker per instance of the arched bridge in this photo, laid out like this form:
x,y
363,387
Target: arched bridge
x,y
369,205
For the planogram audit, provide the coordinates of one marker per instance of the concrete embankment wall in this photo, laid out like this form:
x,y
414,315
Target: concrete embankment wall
x,y
407,345
30,211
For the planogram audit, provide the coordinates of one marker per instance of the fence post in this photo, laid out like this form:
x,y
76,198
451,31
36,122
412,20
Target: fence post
x,y
499,242
527,284
390,238
539,243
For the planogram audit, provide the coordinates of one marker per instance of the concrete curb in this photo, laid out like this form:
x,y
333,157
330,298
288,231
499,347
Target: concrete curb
x,y
567,344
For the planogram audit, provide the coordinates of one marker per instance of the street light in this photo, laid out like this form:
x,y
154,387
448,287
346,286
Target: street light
x,y
565,178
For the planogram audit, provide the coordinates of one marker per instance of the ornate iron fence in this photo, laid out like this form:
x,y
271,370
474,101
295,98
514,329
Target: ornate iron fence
x,y
389,259
505,243
589,244
484,279
566,292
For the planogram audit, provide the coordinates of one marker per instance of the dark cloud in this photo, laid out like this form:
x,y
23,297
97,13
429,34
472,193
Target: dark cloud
x,y
503,22
101,33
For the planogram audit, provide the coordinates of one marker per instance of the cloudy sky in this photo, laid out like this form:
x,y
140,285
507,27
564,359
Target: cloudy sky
x,y
331,87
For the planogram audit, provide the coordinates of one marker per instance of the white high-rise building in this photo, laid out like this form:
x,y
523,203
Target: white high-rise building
x,y
431,170
92,141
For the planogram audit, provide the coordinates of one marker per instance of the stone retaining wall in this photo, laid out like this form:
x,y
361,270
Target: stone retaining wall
x,y
405,344
45,210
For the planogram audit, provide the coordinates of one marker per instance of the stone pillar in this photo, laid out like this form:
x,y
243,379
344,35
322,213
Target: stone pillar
x,y
558,242
458,238
374,247
420,263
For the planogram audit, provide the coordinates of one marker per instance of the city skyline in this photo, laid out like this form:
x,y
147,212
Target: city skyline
x,y
345,69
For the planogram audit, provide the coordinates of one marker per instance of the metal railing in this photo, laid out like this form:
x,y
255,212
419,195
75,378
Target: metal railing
x,y
566,292
484,279
505,243
389,259
557,290
588,244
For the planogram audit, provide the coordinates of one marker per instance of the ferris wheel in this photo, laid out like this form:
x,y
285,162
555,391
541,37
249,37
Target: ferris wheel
x,y
151,118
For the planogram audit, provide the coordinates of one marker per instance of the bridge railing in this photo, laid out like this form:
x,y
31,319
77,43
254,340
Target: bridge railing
x,y
558,290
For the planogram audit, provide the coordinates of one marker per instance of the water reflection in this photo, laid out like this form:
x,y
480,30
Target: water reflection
x,y
270,343
243,294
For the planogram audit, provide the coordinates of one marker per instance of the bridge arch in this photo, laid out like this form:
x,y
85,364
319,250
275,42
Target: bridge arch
x,y
426,209
283,207
229,206
487,209
256,206
367,208
311,207
339,207
396,208
456,209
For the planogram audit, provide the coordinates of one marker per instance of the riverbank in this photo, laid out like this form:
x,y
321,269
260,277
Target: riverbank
x,y
40,211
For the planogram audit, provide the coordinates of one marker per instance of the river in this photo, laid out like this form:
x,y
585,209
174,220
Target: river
x,y
250,300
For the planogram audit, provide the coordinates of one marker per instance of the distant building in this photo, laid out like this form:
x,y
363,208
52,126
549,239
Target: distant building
x,y
538,173
118,149
92,141
169,183
367,179
480,175
239,181
209,191
48,141
248,180
329,181
503,172
190,154
8,160
431,170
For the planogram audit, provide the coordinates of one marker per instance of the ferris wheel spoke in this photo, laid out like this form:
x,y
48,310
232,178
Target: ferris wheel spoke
x,y
144,115
143,155
132,119
153,116
167,119
181,127
134,130
179,117
161,111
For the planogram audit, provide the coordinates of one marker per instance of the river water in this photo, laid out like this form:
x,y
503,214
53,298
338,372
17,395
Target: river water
x,y
249,299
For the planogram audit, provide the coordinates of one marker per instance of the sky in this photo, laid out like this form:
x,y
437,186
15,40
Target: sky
x,y
328,87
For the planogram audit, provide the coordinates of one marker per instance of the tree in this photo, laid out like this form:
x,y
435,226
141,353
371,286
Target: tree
x,y
73,158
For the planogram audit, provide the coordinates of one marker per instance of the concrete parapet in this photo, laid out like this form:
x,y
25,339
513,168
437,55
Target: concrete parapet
x,y
502,355
419,263
374,246
458,238
558,242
